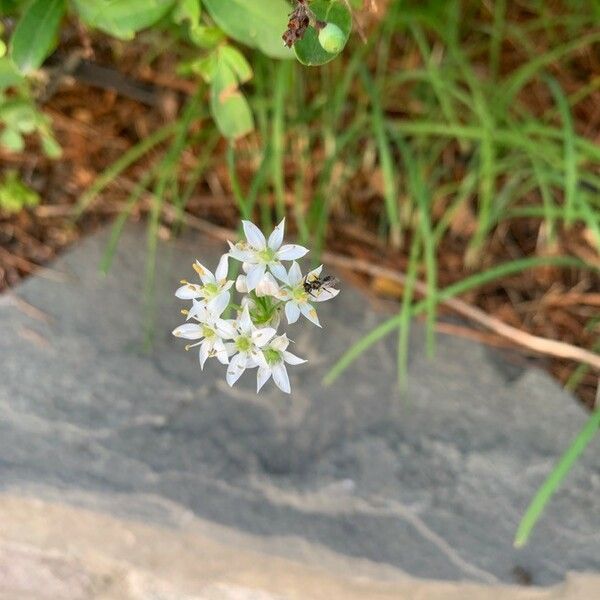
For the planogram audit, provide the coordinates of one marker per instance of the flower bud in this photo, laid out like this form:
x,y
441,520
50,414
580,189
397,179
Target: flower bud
x,y
332,38
241,285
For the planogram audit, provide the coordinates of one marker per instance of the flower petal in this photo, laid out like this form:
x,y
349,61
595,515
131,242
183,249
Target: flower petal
x,y
279,271
244,322
198,311
204,352
236,368
262,336
256,359
231,348
295,274
314,274
254,235
267,286
291,252
222,268
241,254
254,276
280,343
292,312
205,275
292,359
241,285
310,313
218,304
262,376
188,291
276,236
325,294
221,353
225,328
188,331
280,377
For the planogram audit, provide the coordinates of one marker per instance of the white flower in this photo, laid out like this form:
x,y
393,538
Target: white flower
x,y
212,285
267,286
247,342
211,329
272,362
259,253
297,299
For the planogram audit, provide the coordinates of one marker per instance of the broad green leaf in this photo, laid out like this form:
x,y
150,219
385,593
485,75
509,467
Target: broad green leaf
x,y
255,23
9,74
35,33
308,50
51,147
228,106
206,37
237,61
204,66
2,49
14,194
12,140
122,18
187,10
9,6
19,114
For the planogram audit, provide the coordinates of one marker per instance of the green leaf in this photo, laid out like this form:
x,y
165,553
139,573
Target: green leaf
x,y
206,37
553,481
237,61
15,195
228,106
35,33
255,23
122,18
204,66
9,74
12,140
187,10
8,6
309,50
51,147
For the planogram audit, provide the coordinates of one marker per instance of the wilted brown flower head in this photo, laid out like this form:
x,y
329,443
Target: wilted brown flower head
x,y
298,24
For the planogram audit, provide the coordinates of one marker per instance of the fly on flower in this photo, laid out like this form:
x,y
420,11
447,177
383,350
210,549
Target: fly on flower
x,y
250,340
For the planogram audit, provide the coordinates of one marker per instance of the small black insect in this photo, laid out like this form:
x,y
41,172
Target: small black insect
x,y
319,283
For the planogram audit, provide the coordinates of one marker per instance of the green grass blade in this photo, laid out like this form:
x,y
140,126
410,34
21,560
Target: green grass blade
x,y
282,79
525,73
460,287
130,157
236,188
390,186
119,224
166,172
570,156
548,488
406,312
418,191
497,37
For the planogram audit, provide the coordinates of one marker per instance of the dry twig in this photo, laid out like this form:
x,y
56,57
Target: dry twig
x,y
521,338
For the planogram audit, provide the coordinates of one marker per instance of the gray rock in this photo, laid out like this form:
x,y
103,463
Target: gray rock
x,y
433,481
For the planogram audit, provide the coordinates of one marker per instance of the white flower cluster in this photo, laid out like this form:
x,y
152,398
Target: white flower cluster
x,y
250,340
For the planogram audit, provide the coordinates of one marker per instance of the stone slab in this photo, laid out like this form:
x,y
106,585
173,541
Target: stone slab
x,y
432,483
105,558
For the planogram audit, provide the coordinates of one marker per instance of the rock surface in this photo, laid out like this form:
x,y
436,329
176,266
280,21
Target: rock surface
x,y
432,483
